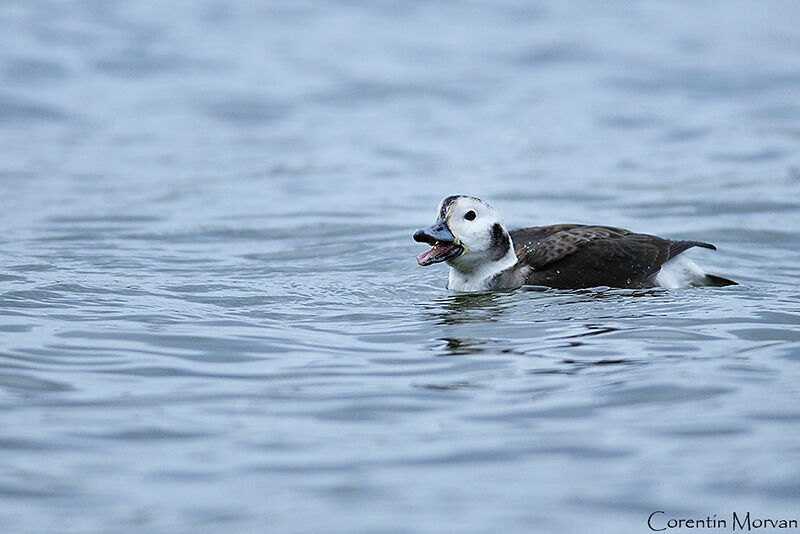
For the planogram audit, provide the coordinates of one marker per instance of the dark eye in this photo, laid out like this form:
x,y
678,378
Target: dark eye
x,y
470,215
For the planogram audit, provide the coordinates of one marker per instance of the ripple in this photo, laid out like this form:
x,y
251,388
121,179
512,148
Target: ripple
x,y
28,70
20,382
150,434
556,53
245,109
661,393
16,110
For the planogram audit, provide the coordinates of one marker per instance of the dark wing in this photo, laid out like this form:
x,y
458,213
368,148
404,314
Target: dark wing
x,y
540,245
575,256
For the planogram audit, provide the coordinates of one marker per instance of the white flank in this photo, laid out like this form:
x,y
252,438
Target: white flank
x,y
680,272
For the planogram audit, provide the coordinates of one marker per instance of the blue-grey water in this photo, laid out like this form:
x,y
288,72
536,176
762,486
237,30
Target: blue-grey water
x,y
211,319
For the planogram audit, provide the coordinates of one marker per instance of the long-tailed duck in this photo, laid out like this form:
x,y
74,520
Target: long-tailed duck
x,y
469,235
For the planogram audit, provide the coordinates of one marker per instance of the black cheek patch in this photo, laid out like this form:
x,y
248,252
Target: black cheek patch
x,y
500,243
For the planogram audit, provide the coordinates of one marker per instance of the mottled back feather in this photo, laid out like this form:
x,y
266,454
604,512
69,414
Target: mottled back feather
x,y
539,245
574,256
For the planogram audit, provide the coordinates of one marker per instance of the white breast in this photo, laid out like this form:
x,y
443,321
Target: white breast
x,y
479,277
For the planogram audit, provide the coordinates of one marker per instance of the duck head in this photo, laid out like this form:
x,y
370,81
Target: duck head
x,y
467,234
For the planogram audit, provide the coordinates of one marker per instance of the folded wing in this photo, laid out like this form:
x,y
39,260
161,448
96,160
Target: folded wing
x,y
569,256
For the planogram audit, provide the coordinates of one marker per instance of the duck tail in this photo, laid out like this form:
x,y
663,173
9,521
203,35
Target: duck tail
x,y
718,281
676,247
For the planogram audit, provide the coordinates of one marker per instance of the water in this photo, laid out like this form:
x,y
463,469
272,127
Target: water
x,y
211,319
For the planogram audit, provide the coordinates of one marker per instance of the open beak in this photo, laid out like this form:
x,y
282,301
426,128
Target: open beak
x,y
445,245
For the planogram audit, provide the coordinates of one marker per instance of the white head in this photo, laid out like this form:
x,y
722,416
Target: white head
x,y
469,235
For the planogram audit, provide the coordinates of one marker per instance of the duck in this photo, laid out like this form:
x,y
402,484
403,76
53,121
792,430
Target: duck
x,y
470,236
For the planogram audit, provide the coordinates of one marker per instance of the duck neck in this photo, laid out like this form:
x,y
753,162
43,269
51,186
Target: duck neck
x,y
479,276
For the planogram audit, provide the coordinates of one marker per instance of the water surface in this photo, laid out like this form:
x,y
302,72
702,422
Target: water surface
x,y
210,314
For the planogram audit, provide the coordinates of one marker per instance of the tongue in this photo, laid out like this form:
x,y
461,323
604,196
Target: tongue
x,y
423,259
433,255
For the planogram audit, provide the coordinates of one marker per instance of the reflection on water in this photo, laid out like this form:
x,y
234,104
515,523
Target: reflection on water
x,y
468,308
210,314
